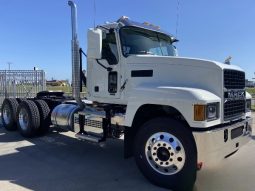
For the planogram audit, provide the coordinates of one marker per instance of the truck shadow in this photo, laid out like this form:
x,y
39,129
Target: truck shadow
x,y
60,162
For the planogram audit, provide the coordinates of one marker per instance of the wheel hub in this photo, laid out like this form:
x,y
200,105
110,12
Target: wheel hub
x,y
23,119
165,153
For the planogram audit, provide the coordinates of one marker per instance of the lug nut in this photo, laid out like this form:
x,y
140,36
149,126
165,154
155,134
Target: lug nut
x,y
171,140
178,148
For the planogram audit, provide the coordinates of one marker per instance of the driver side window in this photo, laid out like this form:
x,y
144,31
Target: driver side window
x,y
109,48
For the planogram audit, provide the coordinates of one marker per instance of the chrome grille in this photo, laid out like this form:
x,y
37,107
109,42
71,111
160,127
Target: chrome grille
x,y
234,79
234,108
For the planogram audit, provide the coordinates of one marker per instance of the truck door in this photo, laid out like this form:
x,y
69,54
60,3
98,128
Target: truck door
x,y
107,81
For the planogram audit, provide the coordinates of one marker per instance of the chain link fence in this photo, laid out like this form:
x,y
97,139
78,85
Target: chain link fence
x,y
21,83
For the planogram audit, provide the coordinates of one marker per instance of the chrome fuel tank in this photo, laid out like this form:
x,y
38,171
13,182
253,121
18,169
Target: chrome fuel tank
x,y
63,115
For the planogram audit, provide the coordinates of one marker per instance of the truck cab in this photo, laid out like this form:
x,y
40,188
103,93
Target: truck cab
x,y
136,65
130,61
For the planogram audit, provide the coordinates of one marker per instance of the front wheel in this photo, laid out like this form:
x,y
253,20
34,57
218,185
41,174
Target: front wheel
x,y
166,154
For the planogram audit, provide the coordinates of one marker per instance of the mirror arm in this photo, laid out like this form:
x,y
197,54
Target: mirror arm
x,y
81,52
109,69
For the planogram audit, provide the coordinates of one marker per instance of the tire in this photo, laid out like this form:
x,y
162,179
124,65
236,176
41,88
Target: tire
x,y
165,152
28,118
20,99
9,110
44,112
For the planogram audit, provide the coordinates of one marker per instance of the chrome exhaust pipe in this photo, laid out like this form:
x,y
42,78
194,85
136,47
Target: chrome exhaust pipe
x,y
75,56
73,20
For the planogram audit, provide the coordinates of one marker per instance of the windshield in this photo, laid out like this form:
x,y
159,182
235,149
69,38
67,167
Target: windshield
x,y
141,41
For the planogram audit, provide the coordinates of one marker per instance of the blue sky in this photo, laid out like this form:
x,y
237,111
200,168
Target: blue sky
x,y
37,32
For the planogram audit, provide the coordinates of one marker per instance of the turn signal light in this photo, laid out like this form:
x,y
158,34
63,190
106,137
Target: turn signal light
x,y
199,112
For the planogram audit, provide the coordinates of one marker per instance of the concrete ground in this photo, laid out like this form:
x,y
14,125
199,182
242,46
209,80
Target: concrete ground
x,y
59,162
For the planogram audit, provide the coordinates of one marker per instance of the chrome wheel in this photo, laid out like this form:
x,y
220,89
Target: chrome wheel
x,y
165,153
7,114
23,119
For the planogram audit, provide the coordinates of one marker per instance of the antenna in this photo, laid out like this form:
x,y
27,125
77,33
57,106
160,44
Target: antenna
x,y
94,13
177,17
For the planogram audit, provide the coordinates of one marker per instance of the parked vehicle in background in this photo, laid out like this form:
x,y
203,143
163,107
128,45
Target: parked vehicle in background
x,y
176,113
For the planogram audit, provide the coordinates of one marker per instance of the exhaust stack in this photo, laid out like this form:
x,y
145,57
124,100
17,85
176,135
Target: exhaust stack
x,y
75,56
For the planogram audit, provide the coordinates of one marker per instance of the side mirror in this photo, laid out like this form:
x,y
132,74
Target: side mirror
x,y
94,43
175,51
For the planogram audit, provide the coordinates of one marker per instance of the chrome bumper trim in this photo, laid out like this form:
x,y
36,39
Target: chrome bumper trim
x,y
212,147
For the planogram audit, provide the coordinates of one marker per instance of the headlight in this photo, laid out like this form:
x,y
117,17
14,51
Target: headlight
x,y
248,105
212,111
206,112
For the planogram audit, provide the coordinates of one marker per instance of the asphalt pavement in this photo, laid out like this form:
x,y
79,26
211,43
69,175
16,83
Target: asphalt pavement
x,y
59,162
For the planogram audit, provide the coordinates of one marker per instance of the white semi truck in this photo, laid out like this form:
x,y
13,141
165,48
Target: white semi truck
x,y
176,113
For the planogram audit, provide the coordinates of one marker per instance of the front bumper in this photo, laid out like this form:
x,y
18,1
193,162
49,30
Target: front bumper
x,y
217,144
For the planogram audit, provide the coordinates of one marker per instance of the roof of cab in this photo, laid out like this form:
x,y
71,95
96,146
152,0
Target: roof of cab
x,y
125,21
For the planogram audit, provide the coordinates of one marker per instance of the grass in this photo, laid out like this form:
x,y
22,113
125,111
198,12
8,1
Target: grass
x,y
251,90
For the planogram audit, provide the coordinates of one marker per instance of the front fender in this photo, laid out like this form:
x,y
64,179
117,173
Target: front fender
x,y
181,98
248,96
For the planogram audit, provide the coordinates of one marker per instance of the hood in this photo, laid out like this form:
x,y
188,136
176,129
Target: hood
x,y
190,62
178,72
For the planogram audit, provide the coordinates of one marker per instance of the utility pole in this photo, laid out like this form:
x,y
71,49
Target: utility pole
x,y
254,79
9,65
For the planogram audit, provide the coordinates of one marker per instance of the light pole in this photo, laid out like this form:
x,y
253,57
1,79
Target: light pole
x,y
9,65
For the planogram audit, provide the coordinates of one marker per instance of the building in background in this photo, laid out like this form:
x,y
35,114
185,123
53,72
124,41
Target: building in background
x,y
57,83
